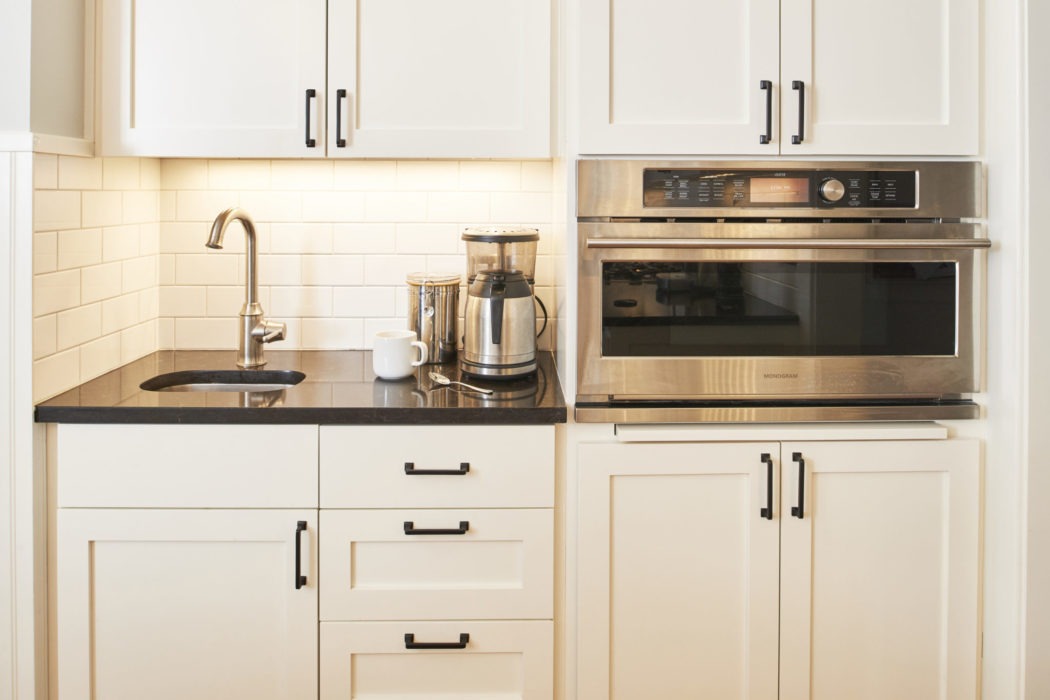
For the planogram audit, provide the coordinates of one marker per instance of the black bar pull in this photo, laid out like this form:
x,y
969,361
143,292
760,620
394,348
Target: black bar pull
x,y
411,643
464,525
340,95
799,511
767,512
300,580
310,94
801,135
767,85
410,469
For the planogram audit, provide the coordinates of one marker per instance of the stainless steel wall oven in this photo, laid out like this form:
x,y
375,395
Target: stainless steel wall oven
x,y
717,291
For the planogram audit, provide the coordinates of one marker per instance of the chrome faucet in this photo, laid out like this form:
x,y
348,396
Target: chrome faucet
x,y
254,330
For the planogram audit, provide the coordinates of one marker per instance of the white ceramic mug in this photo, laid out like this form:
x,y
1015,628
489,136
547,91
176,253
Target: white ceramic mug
x,y
392,353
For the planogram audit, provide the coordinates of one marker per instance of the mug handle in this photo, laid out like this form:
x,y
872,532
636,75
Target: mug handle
x,y
423,354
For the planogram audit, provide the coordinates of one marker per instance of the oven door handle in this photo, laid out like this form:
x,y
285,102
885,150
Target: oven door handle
x,y
790,243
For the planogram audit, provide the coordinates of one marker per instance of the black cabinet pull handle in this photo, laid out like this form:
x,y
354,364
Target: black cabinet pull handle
x,y
768,87
464,525
310,94
300,580
340,95
767,512
801,135
410,469
799,510
411,643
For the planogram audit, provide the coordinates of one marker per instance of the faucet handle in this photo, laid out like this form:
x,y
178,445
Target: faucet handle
x,y
269,331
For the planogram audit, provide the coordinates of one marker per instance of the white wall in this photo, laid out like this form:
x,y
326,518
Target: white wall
x,y
1037,599
14,60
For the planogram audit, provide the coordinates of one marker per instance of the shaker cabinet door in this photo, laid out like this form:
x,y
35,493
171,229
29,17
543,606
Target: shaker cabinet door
x,y
880,570
678,77
212,78
444,79
176,604
887,77
677,571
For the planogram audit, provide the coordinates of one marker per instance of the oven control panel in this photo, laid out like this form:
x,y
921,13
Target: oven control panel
x,y
766,189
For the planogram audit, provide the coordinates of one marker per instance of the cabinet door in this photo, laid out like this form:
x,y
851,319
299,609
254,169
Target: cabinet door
x,y
677,77
169,605
879,577
677,580
453,78
889,77
200,78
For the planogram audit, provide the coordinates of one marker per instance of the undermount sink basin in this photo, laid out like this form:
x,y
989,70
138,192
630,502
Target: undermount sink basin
x,y
224,380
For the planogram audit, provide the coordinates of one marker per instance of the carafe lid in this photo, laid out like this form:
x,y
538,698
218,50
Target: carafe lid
x,y
500,234
429,279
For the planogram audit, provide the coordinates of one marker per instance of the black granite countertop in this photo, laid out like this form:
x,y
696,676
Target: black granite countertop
x,y
339,388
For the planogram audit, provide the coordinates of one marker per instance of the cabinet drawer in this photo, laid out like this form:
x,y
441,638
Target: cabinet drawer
x,y
500,567
510,466
187,466
499,660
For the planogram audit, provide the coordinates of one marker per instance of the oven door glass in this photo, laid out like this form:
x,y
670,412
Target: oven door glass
x,y
764,309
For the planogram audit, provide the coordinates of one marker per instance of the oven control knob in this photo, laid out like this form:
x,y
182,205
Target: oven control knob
x,y
832,190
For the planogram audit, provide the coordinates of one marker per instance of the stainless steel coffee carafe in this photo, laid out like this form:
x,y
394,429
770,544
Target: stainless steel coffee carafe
x,y
499,323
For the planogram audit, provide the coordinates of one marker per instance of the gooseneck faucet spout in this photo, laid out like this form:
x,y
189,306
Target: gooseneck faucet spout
x,y
254,329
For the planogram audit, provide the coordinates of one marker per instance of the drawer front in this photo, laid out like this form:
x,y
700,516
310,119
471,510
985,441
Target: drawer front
x,y
501,567
187,466
365,467
498,660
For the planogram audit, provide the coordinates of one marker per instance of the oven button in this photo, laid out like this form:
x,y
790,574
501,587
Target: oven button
x,y
832,190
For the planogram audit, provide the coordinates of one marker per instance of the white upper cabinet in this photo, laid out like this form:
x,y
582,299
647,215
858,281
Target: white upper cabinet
x,y
682,76
689,77
894,76
441,79
396,78
200,78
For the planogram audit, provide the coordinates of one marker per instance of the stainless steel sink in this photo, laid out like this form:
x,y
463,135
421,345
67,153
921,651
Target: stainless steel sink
x,y
240,380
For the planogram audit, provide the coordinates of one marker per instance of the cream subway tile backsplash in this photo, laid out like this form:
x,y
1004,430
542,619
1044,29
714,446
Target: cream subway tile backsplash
x,y
45,336
45,171
102,208
101,282
124,174
122,270
98,220
55,209
80,248
45,252
79,173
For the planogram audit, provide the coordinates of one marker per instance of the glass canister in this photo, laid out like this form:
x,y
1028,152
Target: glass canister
x,y
433,306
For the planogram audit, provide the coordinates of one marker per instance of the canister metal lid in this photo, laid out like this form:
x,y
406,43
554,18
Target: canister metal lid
x,y
429,279
500,234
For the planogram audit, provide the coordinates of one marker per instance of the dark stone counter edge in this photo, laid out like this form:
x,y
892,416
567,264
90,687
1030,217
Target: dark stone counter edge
x,y
487,415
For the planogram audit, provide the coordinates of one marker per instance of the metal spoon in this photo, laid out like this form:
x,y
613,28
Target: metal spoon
x,y
445,381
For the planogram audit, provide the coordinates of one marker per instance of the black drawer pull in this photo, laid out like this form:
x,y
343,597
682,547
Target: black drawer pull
x,y
411,643
767,512
310,94
464,525
300,579
767,85
410,469
799,511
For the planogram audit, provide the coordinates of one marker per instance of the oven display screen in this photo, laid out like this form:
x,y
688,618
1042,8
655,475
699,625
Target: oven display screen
x,y
779,190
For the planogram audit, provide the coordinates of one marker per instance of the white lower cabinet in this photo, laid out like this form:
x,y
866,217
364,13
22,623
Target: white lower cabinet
x,y
485,660
816,571
194,562
437,555
178,604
